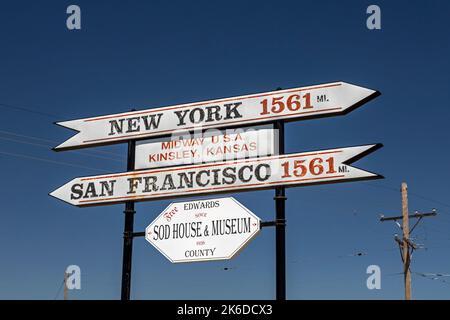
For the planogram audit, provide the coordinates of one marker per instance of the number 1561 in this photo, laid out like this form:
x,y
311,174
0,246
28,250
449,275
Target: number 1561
x,y
294,102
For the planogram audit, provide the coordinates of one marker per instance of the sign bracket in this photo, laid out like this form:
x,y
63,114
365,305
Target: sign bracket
x,y
138,234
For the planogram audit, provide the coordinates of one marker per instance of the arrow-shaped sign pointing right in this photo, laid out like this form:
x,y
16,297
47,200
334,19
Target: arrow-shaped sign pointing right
x,y
292,104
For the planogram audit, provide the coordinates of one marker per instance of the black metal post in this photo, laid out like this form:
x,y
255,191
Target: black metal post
x,y
128,232
280,231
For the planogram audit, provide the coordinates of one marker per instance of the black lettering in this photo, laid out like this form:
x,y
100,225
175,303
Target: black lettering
x,y
201,116
90,191
267,170
77,189
133,184
232,109
198,178
150,184
116,126
175,231
241,173
246,226
226,174
133,124
168,180
155,232
181,115
150,122
189,181
216,181
227,226
213,114
107,186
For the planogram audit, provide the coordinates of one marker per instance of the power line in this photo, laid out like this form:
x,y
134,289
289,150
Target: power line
x,y
47,147
433,276
59,289
49,161
25,136
50,115
431,200
354,253
25,109
51,142
381,186
386,187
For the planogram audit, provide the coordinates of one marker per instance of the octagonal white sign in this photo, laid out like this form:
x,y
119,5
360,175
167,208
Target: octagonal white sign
x,y
202,230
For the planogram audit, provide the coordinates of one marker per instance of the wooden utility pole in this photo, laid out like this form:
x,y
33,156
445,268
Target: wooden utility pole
x,y
66,291
406,252
405,244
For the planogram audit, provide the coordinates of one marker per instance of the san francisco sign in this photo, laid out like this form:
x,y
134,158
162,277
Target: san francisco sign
x,y
203,230
209,146
291,104
306,168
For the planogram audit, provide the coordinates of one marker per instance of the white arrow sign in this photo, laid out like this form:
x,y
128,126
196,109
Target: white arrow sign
x,y
209,146
203,230
325,166
291,104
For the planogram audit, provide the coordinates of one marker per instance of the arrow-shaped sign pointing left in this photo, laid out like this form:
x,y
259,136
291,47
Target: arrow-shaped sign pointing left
x,y
292,104
325,166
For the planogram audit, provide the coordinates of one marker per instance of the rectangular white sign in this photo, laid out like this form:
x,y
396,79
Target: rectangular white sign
x,y
210,146
325,166
291,104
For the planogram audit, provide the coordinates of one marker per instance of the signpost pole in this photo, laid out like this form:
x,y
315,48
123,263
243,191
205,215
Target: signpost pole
x,y
128,232
280,231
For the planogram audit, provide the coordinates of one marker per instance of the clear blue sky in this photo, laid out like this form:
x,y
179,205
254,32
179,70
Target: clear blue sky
x,y
144,54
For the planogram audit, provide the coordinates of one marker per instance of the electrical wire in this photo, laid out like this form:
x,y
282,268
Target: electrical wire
x,y
433,276
414,194
50,161
25,109
51,142
25,136
59,289
429,199
74,151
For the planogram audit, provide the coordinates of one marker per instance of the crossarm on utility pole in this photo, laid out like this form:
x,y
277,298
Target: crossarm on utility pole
x,y
407,246
415,215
